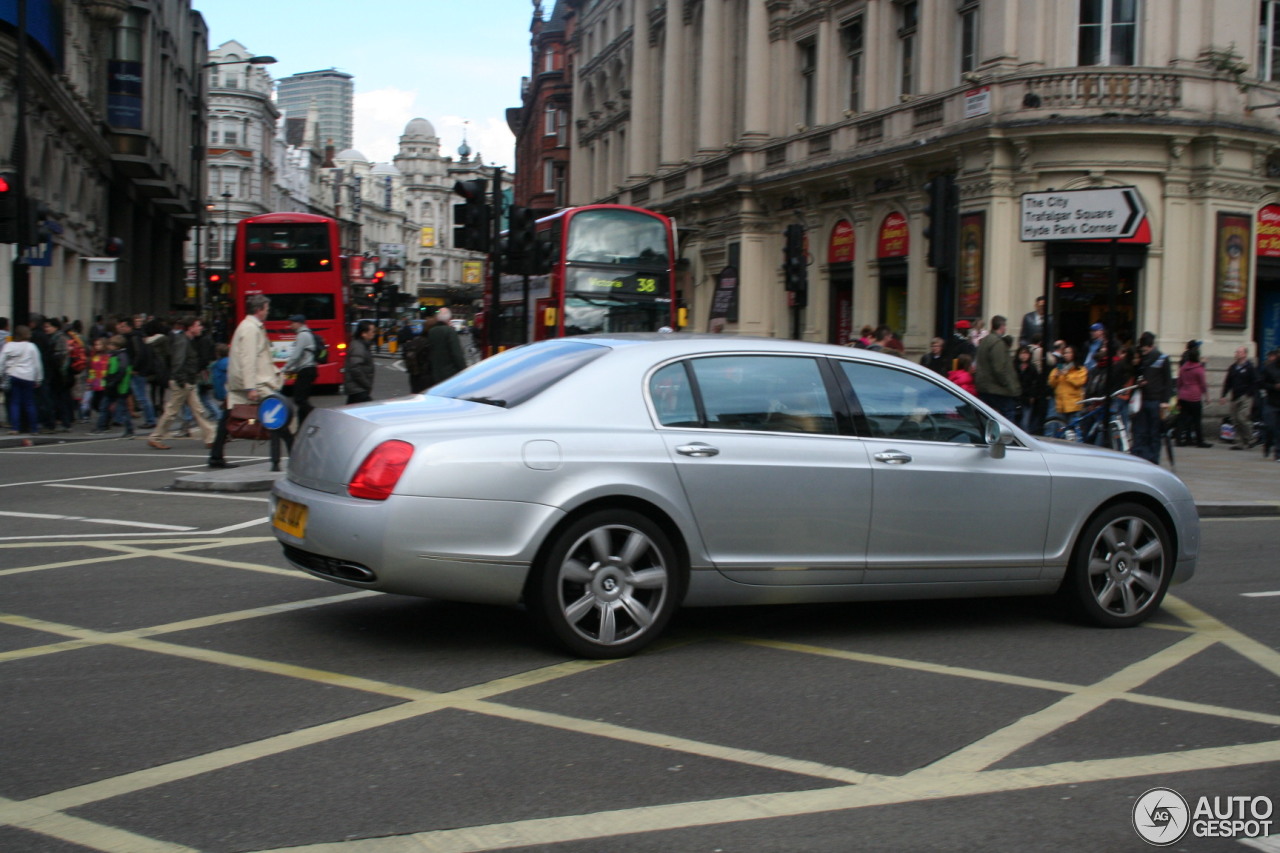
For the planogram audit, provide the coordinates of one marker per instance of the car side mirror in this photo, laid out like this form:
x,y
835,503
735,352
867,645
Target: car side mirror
x,y
994,437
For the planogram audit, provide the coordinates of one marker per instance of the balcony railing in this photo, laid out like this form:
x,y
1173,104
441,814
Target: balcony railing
x,y
1120,90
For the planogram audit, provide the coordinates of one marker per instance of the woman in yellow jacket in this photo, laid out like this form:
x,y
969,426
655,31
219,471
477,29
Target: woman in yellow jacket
x,y
1068,380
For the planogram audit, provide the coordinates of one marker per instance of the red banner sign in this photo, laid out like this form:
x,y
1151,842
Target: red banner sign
x,y
1269,231
840,249
894,238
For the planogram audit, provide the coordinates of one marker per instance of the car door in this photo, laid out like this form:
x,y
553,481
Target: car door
x,y
777,493
944,509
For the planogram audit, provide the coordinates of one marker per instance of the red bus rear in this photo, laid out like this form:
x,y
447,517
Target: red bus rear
x,y
605,268
294,259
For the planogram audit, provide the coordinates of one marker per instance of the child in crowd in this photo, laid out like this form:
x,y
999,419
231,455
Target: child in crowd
x,y
98,361
962,375
115,388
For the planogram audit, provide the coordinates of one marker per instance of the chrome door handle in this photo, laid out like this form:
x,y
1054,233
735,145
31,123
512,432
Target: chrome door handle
x,y
698,449
893,457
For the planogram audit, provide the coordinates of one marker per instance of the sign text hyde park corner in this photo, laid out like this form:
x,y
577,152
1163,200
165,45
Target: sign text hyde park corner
x,y
1113,213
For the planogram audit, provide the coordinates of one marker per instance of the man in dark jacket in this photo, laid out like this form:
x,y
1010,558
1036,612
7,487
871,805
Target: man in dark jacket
x,y
1155,384
996,378
1239,389
358,378
444,350
1270,381
184,374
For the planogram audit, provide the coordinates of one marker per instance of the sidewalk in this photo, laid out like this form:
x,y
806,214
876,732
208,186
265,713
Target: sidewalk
x,y
1224,483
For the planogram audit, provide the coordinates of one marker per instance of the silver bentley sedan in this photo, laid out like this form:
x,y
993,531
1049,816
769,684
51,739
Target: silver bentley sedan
x,y
602,481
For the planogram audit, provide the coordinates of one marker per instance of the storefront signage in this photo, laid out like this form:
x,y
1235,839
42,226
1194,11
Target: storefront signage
x,y
724,304
427,238
101,269
124,94
1269,231
972,251
894,239
840,249
1231,273
472,272
1109,214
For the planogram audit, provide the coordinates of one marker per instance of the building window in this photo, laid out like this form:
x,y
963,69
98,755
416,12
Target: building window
x,y
1269,41
909,13
808,82
549,121
230,137
1108,32
548,60
548,176
852,39
968,36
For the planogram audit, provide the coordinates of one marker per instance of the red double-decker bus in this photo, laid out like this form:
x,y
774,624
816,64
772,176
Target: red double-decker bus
x,y
603,268
294,259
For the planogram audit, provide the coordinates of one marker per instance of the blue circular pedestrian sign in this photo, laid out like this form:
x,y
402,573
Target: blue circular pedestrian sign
x,y
274,412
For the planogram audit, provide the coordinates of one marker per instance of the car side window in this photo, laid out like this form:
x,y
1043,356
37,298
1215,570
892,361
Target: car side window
x,y
764,393
672,396
900,404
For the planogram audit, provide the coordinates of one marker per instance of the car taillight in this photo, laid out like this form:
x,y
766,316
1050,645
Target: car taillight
x,y
380,471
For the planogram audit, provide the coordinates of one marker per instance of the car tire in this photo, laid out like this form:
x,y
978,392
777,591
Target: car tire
x,y
607,586
1121,567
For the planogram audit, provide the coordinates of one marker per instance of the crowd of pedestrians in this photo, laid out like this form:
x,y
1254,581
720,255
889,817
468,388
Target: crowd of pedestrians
x,y
1150,396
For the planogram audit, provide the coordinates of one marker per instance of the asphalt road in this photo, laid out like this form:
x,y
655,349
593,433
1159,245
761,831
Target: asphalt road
x,y
169,684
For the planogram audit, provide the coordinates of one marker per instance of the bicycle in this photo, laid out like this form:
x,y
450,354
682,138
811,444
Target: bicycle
x,y
1086,425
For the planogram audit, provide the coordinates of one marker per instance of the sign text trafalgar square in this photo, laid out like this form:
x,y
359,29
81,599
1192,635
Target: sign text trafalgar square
x,y
1097,214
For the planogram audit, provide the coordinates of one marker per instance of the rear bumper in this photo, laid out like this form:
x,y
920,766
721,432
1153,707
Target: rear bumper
x,y
457,550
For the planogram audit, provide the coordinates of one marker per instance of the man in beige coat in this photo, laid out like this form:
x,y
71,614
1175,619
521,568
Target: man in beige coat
x,y
251,373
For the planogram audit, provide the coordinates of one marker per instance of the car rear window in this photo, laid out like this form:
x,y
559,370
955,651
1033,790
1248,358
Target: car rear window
x,y
512,377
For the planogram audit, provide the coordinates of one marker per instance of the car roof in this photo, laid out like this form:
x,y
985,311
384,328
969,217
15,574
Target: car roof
x,y
672,344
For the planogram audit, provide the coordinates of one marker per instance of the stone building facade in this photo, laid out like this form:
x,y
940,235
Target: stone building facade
x,y
113,110
741,117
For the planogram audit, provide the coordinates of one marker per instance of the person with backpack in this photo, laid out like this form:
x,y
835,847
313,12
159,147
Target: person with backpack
x,y
184,375
116,386
302,363
141,362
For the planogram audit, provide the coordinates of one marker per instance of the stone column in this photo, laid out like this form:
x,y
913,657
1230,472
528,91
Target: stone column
x,y
756,91
674,83
711,89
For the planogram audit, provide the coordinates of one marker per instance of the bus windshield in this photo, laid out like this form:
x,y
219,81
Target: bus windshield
x,y
287,247
617,237
313,306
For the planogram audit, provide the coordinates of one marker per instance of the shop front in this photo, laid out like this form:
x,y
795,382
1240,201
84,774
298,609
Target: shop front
x,y
1266,308
892,246
1097,281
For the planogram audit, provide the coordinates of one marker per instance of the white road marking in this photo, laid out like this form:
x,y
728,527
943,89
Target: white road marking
x,y
103,476
143,524
1261,594
239,526
184,494
1270,844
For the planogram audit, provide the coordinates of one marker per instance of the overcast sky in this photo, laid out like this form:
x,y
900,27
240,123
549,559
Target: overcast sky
x,y
456,63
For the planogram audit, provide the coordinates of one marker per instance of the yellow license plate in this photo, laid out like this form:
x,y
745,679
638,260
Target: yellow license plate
x,y
290,517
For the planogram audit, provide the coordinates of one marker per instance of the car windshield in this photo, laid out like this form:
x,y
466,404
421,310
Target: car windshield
x,y
512,377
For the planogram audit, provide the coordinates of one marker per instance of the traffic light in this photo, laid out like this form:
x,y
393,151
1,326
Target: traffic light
x,y
942,211
795,266
522,235
471,218
8,208
379,277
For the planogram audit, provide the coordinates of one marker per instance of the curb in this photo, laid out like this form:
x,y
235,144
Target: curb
x,y
248,478
1239,509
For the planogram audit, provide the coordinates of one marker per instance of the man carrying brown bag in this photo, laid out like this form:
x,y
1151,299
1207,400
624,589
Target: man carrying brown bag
x,y
251,372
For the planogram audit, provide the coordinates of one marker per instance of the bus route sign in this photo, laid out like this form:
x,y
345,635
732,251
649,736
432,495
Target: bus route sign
x,y
1112,213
